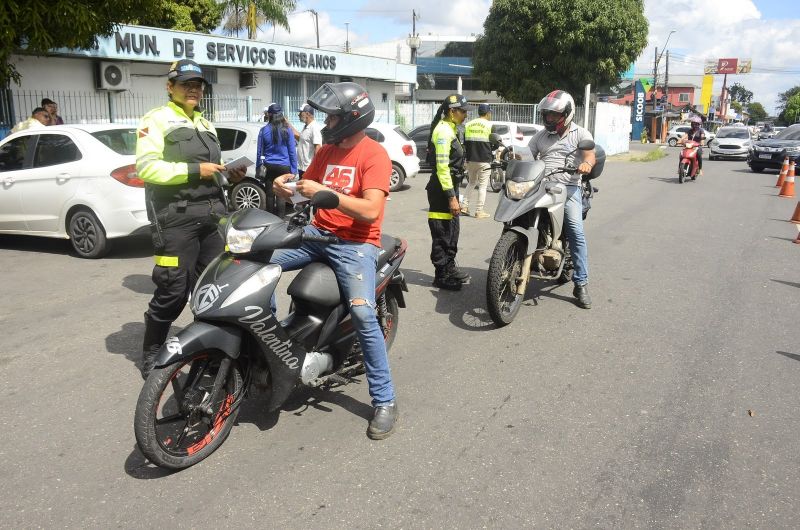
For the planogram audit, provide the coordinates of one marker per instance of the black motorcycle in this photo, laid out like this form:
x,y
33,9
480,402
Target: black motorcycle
x,y
236,345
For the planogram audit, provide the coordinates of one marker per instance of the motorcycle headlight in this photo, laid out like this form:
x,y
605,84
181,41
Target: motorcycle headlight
x,y
518,190
241,241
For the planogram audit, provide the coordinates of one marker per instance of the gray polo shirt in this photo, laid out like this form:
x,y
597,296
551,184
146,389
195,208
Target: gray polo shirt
x,y
551,149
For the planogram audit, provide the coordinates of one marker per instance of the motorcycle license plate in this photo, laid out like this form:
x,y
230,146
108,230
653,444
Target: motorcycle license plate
x,y
765,155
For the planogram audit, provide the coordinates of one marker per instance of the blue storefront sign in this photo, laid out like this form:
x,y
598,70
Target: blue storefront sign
x,y
637,119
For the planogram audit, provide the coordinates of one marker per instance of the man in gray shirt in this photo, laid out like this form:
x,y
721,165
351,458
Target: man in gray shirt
x,y
559,139
309,140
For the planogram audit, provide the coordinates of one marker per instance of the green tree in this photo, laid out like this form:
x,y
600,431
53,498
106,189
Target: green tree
x,y
783,97
530,47
757,112
740,93
39,26
791,112
187,15
250,15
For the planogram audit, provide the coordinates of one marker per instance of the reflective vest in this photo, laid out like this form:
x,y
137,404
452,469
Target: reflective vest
x,y
477,140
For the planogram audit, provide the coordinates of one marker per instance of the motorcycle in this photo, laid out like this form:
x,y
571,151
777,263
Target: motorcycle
x,y
236,346
532,243
502,155
689,167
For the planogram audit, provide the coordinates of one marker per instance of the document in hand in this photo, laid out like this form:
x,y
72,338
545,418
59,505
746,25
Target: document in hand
x,y
241,162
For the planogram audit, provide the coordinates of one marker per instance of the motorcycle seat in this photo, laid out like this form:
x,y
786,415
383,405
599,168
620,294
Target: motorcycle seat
x,y
317,284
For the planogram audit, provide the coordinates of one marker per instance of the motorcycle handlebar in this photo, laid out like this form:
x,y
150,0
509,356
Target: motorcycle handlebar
x,y
320,239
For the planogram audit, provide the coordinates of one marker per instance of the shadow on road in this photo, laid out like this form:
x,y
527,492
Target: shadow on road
x,y
122,248
139,283
668,180
781,238
794,356
790,284
128,342
137,466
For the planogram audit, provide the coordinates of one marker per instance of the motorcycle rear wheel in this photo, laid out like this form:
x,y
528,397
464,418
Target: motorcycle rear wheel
x,y
392,318
502,300
172,429
497,178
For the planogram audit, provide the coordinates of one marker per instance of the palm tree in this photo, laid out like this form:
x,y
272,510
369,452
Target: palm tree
x,y
252,14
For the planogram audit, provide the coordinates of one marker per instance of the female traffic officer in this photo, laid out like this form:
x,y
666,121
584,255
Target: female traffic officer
x,y
178,157
446,156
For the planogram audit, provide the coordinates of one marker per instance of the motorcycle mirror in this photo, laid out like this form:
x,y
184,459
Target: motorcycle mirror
x,y
586,145
495,138
326,200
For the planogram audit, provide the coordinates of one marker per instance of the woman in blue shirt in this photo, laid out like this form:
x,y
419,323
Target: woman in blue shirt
x,y
276,154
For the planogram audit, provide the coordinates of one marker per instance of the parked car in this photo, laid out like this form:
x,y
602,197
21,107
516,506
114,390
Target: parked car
x,y
241,139
769,153
402,152
677,131
419,135
75,182
730,142
515,134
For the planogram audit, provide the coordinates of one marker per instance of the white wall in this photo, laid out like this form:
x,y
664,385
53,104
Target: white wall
x,y
612,127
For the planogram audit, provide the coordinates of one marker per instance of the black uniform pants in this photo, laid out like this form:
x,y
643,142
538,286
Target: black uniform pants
x,y
444,227
185,241
275,205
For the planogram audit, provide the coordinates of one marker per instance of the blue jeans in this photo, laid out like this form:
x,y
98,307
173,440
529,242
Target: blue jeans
x,y
573,225
354,265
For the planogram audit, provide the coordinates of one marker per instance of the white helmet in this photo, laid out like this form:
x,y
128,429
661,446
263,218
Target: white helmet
x,y
561,103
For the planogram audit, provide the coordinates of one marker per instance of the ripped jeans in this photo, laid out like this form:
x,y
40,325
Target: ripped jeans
x,y
354,265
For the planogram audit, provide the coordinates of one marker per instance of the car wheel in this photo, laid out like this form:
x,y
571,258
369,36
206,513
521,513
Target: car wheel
x,y
672,142
248,194
87,235
711,157
397,178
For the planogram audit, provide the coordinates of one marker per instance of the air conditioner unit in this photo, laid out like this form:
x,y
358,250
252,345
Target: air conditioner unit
x,y
248,79
113,76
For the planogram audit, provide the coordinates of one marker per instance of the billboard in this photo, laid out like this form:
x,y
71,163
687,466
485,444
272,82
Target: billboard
x,y
637,117
728,66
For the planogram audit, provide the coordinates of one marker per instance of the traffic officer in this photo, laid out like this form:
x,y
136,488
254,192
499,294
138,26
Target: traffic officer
x,y
479,159
178,157
446,156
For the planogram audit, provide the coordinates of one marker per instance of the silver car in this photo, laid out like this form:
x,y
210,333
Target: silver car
x,y
731,142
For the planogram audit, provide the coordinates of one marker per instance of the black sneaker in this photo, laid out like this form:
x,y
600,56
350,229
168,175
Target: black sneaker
x,y
449,283
383,421
581,292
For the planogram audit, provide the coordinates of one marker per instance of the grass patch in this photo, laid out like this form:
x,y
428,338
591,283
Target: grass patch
x,y
655,154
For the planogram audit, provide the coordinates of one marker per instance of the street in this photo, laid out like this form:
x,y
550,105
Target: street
x,y
672,403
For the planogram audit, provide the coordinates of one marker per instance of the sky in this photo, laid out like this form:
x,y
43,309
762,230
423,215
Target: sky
x,y
766,31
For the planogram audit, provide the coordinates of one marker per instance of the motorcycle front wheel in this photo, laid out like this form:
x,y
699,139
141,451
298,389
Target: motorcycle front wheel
x,y
176,424
502,299
682,172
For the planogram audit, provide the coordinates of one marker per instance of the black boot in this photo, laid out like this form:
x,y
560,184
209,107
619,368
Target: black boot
x,y
383,420
155,333
442,280
581,292
458,274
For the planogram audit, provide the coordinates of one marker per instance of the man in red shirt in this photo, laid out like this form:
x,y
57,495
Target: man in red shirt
x,y
357,169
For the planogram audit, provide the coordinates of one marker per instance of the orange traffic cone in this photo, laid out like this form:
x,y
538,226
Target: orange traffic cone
x,y
797,239
796,216
787,190
784,172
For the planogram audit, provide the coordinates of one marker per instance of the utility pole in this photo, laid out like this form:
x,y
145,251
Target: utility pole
x,y
347,42
666,83
655,79
413,43
316,23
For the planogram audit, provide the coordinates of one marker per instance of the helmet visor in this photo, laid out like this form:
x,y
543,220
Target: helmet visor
x,y
326,100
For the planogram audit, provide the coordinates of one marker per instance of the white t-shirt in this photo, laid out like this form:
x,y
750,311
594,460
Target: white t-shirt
x,y
310,136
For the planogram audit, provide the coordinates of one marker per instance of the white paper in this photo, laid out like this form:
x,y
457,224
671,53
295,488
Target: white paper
x,y
296,197
241,162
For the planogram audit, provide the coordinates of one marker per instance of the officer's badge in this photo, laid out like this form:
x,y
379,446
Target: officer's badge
x,y
453,99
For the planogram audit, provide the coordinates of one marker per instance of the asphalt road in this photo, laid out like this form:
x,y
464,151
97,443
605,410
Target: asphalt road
x,y
672,403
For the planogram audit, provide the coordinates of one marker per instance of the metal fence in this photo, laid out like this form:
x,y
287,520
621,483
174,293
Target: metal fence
x,y
116,107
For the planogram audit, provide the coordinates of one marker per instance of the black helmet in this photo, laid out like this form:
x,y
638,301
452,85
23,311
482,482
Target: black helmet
x,y
348,100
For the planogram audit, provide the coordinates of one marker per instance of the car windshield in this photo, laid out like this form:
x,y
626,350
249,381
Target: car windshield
x,y
399,131
500,129
733,133
121,141
787,134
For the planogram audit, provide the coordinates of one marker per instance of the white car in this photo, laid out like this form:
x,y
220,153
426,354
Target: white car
x,y
730,142
401,149
241,139
74,182
515,134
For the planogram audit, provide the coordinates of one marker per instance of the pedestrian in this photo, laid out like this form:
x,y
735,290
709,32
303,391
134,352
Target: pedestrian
x,y
52,110
276,154
554,144
179,157
479,159
309,140
360,178
39,119
446,156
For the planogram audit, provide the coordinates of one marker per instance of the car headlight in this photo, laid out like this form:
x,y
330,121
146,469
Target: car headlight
x,y
518,190
746,144
241,241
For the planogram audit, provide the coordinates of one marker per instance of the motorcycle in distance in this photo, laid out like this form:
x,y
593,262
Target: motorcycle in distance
x,y
688,167
502,155
236,346
532,243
